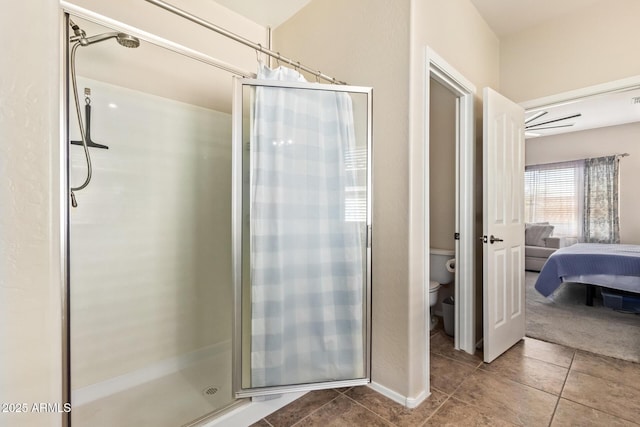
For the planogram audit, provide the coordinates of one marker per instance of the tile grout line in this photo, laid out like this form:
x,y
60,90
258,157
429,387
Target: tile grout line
x,y
546,342
449,395
478,368
435,412
555,408
317,409
600,410
500,378
551,363
477,364
503,378
592,375
465,379
603,410
521,382
439,390
370,410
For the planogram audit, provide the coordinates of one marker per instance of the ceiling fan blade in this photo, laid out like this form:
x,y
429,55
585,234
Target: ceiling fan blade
x,y
553,121
535,116
553,127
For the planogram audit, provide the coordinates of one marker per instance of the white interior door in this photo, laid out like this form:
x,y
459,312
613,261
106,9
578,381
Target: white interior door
x,y
503,225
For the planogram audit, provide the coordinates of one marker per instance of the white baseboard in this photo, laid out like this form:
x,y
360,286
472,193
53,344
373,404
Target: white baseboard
x,y
148,373
409,402
414,402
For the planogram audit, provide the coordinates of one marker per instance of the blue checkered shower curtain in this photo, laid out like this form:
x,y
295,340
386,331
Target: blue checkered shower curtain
x,y
307,260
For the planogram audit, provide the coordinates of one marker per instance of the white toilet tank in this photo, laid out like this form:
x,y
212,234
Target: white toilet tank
x,y
439,259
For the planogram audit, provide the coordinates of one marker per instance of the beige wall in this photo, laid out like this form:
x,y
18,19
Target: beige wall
x,y
595,143
365,42
455,31
595,44
30,274
442,166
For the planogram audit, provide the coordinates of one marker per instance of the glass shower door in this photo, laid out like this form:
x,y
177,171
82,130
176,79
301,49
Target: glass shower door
x,y
302,235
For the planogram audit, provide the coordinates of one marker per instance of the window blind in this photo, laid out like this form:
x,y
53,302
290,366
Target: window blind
x,y
356,195
554,194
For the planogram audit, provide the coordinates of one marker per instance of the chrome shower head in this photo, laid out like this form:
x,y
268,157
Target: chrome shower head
x,y
127,40
123,39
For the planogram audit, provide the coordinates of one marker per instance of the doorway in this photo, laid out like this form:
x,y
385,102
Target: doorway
x,y
461,93
442,207
604,124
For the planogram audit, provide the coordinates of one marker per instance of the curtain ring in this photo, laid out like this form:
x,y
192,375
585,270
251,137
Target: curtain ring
x,y
278,59
257,52
297,66
318,76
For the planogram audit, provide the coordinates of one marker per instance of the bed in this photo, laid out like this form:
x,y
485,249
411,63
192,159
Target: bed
x,y
594,264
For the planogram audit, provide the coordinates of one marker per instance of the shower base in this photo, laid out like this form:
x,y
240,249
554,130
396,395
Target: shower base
x,y
173,400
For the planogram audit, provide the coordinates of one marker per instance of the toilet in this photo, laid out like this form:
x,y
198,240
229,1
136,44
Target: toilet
x,y
442,268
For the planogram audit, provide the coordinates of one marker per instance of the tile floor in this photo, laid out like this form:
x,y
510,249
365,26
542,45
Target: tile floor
x,y
535,383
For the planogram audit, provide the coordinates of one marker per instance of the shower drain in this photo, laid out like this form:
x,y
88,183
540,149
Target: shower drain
x,y
210,391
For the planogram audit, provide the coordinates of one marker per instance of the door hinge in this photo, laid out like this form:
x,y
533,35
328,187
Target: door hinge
x,y
456,236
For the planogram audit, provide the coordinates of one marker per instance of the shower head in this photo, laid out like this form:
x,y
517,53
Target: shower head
x,y
124,39
127,40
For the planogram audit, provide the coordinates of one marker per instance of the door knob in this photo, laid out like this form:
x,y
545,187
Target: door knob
x,y
495,239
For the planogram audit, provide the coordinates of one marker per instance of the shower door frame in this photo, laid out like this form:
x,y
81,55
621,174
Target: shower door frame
x,y
236,237
67,9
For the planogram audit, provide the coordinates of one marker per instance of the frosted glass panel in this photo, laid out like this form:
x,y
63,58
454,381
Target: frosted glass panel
x,y
305,212
150,241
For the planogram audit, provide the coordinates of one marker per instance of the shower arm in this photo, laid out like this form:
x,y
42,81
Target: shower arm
x,y
81,125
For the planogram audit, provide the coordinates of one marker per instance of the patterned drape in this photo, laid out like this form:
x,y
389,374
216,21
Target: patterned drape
x,y
307,258
601,217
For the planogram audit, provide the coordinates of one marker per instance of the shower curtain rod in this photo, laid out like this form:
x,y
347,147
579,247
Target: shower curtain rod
x,y
94,17
256,46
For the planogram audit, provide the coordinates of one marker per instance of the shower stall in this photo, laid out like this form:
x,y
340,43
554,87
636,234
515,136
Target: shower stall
x,y
149,241
184,234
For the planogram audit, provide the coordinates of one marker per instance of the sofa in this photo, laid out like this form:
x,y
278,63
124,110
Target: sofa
x,y
540,244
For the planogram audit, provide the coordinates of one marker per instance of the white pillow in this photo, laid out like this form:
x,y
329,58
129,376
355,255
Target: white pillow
x,y
535,234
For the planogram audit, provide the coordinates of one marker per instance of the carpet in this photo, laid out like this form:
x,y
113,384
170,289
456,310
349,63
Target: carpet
x,y
566,320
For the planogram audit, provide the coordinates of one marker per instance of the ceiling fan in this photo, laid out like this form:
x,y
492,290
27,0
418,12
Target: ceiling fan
x,y
530,126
